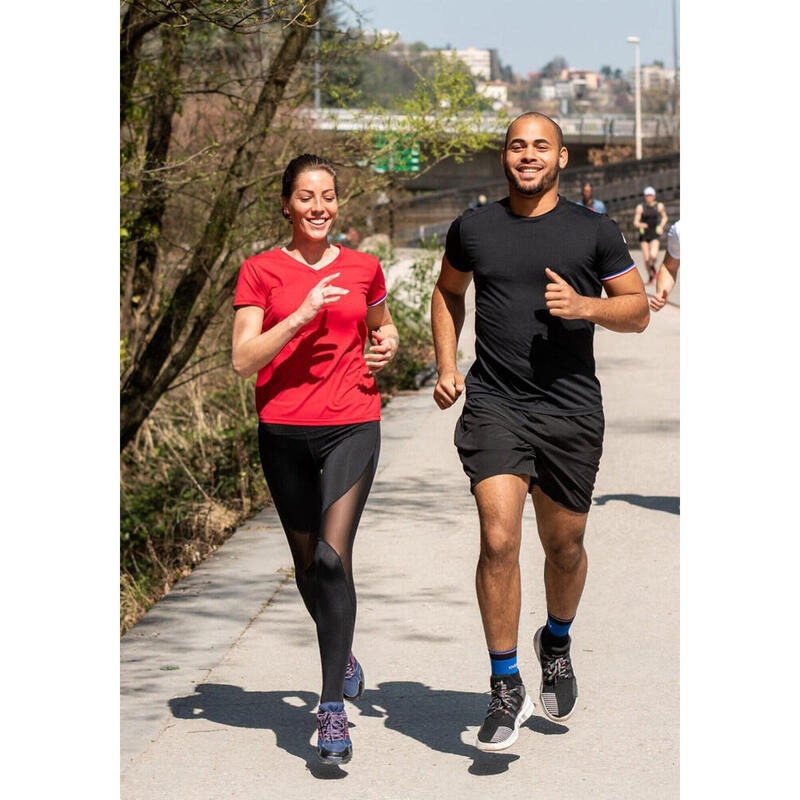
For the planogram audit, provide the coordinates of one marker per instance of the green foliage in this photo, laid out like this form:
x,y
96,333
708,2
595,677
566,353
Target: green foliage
x,y
190,477
409,303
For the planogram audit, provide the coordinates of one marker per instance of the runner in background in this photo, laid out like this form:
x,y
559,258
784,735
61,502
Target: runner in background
x,y
588,199
650,219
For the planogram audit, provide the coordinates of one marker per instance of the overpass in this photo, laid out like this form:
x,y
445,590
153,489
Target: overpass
x,y
586,129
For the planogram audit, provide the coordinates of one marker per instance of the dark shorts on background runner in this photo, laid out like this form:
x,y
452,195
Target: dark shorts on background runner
x,y
560,453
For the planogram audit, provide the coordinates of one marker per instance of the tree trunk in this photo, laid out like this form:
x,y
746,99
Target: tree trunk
x,y
160,363
137,309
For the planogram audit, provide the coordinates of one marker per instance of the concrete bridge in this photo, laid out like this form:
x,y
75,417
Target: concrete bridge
x,y
585,129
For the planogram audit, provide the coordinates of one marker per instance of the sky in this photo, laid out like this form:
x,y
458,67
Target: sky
x,y
529,33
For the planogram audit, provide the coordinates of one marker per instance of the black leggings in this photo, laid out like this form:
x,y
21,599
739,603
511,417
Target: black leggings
x,y
319,478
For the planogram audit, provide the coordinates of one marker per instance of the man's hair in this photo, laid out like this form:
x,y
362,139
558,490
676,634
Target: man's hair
x,y
559,133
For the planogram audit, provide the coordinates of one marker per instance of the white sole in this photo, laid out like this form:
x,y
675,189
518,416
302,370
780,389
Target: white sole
x,y
523,716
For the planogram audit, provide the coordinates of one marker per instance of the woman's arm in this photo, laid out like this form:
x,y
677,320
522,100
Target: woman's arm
x,y
637,218
383,335
252,349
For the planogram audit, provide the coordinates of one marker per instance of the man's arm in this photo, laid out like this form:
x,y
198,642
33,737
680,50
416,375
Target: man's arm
x,y
665,282
447,319
625,309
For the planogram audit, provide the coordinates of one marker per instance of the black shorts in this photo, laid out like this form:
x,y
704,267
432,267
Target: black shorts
x,y
309,467
561,454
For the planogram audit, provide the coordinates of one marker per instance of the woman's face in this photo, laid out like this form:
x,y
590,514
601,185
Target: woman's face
x,y
312,206
649,199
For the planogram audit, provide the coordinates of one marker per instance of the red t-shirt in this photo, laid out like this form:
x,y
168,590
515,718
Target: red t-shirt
x,y
320,377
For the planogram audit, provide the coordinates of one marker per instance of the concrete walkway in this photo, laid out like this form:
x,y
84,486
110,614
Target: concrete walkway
x,y
219,680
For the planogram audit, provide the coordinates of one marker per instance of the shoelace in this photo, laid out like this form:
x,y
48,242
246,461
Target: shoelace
x,y
559,667
503,699
350,669
332,726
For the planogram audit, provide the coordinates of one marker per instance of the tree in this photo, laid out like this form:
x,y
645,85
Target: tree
x,y
210,112
554,68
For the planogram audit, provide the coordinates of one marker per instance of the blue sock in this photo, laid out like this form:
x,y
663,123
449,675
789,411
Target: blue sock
x,y
504,662
558,629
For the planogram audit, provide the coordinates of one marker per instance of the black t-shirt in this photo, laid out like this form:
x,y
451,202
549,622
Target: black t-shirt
x,y
523,354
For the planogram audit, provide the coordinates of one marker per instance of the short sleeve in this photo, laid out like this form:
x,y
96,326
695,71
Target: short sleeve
x,y
452,248
612,257
674,240
250,290
376,293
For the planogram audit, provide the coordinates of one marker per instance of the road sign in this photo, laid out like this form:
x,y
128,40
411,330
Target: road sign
x,y
402,157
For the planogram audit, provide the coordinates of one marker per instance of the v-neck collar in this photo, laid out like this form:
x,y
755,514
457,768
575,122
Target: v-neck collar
x,y
309,267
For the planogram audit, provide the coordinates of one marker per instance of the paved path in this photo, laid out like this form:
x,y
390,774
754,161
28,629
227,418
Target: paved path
x,y
220,679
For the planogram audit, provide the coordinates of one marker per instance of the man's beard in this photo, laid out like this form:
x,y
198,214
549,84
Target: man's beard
x,y
547,181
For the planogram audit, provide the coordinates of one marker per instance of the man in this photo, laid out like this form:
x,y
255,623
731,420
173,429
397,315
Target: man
x,y
668,273
588,199
533,420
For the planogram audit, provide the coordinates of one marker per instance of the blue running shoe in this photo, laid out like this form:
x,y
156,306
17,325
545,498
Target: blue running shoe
x,y
353,679
333,745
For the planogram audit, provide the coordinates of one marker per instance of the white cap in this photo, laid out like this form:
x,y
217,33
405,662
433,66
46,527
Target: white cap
x,y
649,190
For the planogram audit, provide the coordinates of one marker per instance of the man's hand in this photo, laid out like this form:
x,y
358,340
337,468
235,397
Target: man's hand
x,y
448,388
382,350
658,300
562,300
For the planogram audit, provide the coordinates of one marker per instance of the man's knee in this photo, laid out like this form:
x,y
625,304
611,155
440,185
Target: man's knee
x,y
565,552
499,545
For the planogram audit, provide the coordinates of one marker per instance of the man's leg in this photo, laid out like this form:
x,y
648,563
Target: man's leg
x,y
501,501
565,562
561,534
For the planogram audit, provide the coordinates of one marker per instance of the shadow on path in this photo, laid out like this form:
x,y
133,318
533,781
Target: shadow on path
x,y
672,505
435,718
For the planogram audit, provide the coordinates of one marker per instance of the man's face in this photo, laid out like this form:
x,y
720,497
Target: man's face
x,y
587,193
533,159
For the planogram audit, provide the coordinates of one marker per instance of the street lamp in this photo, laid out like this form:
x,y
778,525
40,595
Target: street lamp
x,y
634,40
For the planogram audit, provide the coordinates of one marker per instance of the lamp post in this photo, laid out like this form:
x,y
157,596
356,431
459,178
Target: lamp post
x,y
634,40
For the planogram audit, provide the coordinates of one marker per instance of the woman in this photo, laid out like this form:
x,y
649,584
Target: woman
x,y
650,218
301,321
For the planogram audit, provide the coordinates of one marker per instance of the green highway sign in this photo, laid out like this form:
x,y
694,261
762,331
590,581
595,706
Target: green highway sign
x,y
402,157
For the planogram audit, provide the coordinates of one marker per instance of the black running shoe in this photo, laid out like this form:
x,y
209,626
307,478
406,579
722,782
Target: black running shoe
x,y
558,691
509,707
333,742
353,679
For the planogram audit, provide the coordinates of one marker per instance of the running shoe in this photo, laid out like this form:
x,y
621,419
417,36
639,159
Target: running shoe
x,y
333,742
558,690
353,679
509,707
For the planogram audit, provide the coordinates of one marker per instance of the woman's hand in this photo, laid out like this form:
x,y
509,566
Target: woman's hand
x,y
382,350
321,295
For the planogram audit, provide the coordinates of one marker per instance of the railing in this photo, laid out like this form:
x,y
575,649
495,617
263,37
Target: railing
x,y
619,186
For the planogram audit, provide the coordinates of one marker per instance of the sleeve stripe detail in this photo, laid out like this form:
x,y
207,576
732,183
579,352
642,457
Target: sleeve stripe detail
x,y
617,274
378,302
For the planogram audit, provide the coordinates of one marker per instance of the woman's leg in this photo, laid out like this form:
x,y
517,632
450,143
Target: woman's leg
x,y
654,256
294,482
347,475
